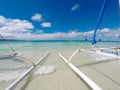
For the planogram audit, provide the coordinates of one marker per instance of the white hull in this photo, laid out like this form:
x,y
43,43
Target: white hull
x,y
108,52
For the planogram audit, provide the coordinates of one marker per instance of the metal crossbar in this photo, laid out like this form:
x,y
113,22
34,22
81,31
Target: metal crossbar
x,y
87,80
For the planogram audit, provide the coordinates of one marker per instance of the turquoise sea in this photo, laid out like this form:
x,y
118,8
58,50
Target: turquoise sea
x,y
52,44
26,47
33,49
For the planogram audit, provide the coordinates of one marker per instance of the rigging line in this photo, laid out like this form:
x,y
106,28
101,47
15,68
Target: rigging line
x,y
8,44
102,73
99,20
26,60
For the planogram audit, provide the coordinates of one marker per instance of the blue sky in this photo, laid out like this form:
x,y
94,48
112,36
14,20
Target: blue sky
x,y
57,19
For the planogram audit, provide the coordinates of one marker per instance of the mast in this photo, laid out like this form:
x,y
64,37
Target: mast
x,y
99,20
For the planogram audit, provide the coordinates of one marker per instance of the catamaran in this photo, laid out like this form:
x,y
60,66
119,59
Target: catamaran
x,y
112,51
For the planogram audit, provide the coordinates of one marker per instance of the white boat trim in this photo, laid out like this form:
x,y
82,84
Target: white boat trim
x,y
101,53
113,52
107,54
73,55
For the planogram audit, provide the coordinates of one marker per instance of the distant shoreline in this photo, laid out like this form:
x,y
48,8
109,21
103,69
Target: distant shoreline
x,y
58,40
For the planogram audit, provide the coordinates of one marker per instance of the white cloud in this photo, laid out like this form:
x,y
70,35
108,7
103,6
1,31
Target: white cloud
x,y
37,17
23,29
49,36
88,33
99,32
10,27
46,24
39,31
75,7
105,30
106,34
113,33
39,35
2,20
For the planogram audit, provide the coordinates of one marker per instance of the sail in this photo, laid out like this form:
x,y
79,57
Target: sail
x,y
119,3
99,20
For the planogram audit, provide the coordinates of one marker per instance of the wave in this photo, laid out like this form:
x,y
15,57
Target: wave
x,y
10,75
44,70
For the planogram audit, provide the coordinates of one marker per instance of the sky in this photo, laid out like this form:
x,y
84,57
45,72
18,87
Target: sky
x,y
58,19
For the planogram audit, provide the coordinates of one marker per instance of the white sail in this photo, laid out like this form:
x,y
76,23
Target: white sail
x,y
119,3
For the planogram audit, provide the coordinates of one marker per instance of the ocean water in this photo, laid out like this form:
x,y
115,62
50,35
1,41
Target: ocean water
x,y
31,51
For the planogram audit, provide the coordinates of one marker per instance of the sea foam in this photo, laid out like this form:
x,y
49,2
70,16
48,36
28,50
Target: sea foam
x,y
10,75
44,70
